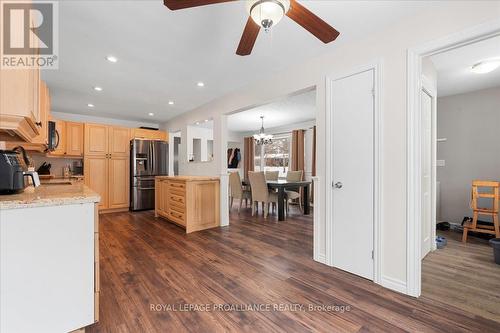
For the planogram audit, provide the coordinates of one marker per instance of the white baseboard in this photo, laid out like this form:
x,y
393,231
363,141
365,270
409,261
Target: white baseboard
x,y
320,258
394,284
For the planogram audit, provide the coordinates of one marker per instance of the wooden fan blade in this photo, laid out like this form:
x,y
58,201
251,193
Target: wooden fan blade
x,y
248,38
181,4
312,23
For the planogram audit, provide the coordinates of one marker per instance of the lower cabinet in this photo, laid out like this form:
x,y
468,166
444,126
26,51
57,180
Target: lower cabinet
x,y
108,176
190,202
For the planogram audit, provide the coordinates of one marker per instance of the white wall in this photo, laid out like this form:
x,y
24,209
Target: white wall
x,y
389,46
471,124
101,120
203,134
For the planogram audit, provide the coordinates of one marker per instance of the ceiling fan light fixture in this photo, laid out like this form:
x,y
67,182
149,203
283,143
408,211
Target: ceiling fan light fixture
x,y
267,13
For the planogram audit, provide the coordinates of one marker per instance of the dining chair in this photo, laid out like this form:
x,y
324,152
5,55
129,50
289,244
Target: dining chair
x,y
293,176
237,191
260,192
272,175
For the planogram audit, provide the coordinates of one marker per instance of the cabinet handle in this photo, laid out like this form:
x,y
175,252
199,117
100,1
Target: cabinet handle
x,y
39,124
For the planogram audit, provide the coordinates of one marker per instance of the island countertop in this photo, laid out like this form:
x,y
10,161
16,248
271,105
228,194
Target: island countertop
x,y
49,195
189,178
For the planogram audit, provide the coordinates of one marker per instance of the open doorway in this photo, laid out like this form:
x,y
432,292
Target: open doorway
x,y
275,142
460,176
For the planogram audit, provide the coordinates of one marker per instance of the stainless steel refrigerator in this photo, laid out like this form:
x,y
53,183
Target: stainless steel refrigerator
x,y
148,159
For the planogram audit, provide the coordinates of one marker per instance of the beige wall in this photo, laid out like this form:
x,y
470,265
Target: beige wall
x,y
390,47
471,124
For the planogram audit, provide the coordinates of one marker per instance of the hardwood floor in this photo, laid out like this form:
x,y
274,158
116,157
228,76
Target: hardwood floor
x,y
147,261
463,275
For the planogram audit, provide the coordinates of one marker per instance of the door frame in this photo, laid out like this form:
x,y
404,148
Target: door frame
x,y
429,88
413,136
376,66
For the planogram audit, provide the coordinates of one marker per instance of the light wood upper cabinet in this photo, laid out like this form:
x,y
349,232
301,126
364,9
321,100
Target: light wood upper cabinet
x,y
96,139
44,112
19,96
96,177
61,138
118,186
119,141
19,103
74,138
141,133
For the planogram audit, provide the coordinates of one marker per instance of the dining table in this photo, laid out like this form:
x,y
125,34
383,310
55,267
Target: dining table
x,y
281,186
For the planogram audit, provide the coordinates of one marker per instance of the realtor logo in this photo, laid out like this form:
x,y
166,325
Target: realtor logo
x,y
29,34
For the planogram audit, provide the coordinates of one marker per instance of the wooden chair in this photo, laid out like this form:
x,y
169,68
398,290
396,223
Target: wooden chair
x,y
237,191
294,176
272,175
260,192
478,187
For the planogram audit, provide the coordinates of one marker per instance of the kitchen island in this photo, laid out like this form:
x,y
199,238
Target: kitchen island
x,y
49,259
192,202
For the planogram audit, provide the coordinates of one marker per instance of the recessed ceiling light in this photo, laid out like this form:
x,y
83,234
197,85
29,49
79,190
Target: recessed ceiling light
x,y
206,120
200,84
170,102
197,123
486,66
151,114
90,105
96,88
111,58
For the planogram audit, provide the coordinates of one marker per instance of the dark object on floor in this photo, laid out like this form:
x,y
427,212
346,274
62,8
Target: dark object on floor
x,y
443,226
495,243
468,219
441,242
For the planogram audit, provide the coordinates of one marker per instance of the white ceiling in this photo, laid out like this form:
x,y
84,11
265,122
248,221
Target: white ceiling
x,y
163,54
453,68
291,110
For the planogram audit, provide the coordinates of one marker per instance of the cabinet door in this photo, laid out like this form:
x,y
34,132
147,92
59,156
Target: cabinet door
x,y
44,110
74,139
61,135
164,196
118,182
119,141
96,177
96,140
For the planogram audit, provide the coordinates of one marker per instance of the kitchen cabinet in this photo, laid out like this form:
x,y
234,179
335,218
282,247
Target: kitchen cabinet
x,y
107,165
96,177
96,139
43,113
141,133
19,97
188,201
74,139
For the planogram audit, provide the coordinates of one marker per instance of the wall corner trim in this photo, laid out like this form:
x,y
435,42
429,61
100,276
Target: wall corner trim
x,y
393,284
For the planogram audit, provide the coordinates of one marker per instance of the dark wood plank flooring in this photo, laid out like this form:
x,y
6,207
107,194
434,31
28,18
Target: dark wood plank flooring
x,y
463,275
146,261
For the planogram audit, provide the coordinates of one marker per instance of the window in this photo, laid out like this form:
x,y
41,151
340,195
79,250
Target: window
x,y
274,156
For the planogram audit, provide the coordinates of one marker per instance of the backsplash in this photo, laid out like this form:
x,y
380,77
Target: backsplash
x,y
57,164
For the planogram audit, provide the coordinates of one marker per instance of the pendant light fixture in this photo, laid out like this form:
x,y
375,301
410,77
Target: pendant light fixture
x,y
262,138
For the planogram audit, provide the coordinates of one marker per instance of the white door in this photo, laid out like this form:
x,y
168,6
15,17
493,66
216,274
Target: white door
x,y
426,105
352,152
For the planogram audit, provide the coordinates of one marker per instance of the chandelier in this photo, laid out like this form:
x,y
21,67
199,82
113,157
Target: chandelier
x,y
262,138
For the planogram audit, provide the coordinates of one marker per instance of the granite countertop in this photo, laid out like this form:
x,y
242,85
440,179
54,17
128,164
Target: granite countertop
x,y
49,195
189,178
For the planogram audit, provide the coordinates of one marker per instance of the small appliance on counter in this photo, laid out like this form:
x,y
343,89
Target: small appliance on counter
x,y
13,173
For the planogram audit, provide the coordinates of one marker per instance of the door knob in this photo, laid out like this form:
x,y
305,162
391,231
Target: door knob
x,y
338,185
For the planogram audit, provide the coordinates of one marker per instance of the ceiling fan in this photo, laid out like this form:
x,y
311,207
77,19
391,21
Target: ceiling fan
x,y
265,14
